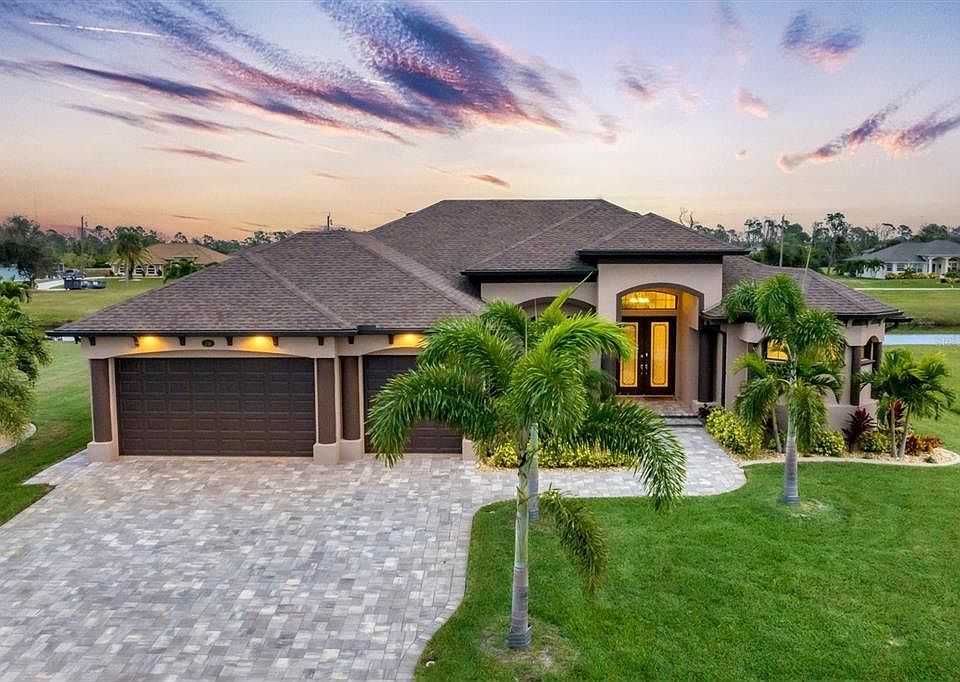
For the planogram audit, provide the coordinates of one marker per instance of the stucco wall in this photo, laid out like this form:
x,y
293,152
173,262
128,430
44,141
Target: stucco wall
x,y
613,278
520,292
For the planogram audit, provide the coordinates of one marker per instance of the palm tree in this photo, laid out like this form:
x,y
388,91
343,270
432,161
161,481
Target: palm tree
x,y
21,354
15,291
813,342
499,377
910,388
757,401
129,248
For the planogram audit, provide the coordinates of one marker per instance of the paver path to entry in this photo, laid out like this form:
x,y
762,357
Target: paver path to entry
x,y
192,569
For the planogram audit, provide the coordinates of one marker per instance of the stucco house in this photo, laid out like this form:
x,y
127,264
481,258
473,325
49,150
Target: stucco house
x,y
161,255
279,350
937,257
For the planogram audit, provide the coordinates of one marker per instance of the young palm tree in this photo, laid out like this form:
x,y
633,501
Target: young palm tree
x,y
15,291
920,388
813,342
130,250
501,378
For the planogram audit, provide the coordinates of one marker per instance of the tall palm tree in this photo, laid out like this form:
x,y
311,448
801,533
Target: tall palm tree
x,y
912,388
814,344
499,377
129,248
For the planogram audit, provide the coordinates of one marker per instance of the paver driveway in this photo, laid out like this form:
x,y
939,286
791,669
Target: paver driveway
x,y
254,569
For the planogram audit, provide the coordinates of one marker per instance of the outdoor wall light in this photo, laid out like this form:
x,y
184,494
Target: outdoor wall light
x,y
407,340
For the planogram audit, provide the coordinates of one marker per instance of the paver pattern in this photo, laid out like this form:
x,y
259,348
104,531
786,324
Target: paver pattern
x,y
193,569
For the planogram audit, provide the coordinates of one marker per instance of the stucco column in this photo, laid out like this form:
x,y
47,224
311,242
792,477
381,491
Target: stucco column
x,y
326,450
856,355
103,447
351,439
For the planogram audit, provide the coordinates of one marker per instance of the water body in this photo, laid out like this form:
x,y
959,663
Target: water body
x,y
923,339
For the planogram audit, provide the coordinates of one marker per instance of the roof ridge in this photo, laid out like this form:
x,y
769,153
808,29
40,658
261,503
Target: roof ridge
x,y
536,234
616,232
270,271
421,272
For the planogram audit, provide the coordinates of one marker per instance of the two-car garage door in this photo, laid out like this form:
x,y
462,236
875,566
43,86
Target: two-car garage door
x,y
240,406
216,406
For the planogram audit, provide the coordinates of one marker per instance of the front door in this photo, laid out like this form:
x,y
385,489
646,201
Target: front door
x,y
652,369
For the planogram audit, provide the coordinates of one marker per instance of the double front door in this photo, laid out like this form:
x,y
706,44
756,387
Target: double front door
x,y
651,370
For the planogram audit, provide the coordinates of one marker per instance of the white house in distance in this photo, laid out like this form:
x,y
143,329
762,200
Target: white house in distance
x,y
163,254
937,257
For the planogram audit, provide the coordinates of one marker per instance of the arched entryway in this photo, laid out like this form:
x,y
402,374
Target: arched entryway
x,y
662,322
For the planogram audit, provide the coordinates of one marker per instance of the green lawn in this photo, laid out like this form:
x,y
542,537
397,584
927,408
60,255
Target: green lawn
x,y
948,426
860,582
858,283
62,417
53,308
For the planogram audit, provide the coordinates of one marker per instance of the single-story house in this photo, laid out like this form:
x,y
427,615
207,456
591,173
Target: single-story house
x,y
280,349
161,255
937,257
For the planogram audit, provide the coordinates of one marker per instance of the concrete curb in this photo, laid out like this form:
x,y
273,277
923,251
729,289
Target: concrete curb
x,y
857,460
31,429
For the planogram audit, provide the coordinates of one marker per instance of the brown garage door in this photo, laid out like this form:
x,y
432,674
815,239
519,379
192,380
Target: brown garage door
x,y
426,436
216,406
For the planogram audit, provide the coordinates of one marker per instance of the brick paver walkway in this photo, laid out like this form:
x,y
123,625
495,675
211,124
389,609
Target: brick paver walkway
x,y
191,569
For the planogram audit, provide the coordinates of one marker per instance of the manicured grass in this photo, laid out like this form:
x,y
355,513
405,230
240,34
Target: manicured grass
x,y
948,426
62,417
53,308
930,310
860,582
858,283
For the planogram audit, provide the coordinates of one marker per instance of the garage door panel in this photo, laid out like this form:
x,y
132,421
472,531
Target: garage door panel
x,y
216,406
426,437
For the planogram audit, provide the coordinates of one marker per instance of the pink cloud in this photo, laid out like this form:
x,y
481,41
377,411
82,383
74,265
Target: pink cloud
x,y
750,103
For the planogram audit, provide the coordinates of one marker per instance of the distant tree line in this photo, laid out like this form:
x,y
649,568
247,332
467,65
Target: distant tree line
x,y
826,245
36,252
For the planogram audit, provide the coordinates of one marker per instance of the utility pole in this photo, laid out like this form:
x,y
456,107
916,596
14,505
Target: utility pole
x,y
783,231
83,221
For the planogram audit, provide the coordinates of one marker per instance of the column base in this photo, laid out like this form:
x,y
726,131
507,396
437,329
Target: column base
x,y
103,452
467,452
326,453
351,450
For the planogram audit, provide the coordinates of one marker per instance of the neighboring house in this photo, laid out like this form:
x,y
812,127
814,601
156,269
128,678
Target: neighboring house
x,y
279,350
163,254
937,257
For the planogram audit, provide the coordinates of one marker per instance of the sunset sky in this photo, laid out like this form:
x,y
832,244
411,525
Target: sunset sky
x,y
220,118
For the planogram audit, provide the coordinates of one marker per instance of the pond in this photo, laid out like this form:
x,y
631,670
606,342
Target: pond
x,y
923,339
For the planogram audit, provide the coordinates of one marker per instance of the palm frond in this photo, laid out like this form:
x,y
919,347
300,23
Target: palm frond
x,y
740,302
441,394
470,344
553,314
581,537
549,388
625,427
758,399
779,301
16,396
808,413
581,335
509,319
817,332
599,382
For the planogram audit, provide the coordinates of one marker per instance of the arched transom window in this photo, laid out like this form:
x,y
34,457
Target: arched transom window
x,y
648,299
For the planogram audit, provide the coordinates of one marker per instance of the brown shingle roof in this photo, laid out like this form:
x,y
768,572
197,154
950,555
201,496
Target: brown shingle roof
x,y
819,290
313,282
653,234
163,253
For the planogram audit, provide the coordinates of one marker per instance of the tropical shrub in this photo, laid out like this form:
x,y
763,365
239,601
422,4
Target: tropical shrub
x,y
875,442
861,422
922,445
732,433
827,444
558,456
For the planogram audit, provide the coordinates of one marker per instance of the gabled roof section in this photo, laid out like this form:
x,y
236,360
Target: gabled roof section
x,y
173,251
453,235
653,235
313,282
819,290
911,251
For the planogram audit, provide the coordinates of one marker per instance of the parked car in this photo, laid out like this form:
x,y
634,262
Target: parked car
x,y
94,284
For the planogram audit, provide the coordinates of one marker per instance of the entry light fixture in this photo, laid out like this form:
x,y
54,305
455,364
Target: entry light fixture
x,y
409,340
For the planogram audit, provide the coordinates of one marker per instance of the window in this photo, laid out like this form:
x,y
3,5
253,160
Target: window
x,y
871,352
775,351
889,267
648,300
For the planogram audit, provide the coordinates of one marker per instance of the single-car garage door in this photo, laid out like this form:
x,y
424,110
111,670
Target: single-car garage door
x,y
426,436
216,406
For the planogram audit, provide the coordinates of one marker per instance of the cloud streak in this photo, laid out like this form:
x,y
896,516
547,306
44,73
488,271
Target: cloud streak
x,y
491,179
875,129
649,86
750,103
733,30
196,153
328,176
805,39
